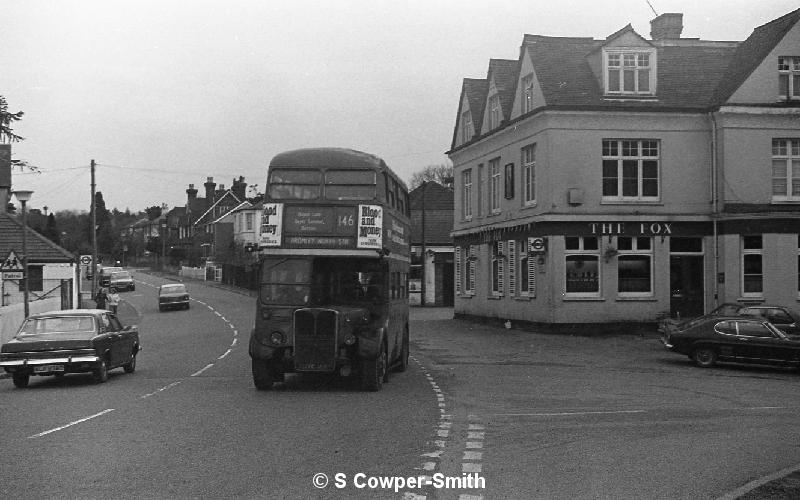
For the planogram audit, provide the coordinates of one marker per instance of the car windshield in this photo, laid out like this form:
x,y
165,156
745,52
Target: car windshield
x,y
81,325
173,289
120,275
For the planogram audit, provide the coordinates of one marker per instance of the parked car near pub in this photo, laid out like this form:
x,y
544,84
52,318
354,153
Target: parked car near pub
x,y
70,341
739,339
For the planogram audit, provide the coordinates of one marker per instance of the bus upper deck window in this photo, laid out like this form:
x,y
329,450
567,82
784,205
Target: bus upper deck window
x,y
294,184
350,185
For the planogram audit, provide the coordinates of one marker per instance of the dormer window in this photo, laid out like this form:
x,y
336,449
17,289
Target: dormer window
x,y
466,127
527,94
789,77
630,72
494,112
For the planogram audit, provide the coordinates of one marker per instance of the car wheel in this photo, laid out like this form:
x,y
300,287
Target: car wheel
x,y
705,357
100,373
263,374
373,372
21,380
130,366
404,352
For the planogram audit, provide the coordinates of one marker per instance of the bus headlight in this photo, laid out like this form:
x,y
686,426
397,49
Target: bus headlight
x,y
277,338
349,339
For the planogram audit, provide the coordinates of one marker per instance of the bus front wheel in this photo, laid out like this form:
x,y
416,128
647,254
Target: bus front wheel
x,y
373,372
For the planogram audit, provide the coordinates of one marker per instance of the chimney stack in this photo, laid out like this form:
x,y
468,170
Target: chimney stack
x,y
666,26
239,187
210,185
191,194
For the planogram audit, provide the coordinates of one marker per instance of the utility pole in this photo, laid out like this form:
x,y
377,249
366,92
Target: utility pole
x,y
94,235
424,288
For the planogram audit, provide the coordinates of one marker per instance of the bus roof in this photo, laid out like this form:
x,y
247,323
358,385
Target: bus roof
x,y
332,158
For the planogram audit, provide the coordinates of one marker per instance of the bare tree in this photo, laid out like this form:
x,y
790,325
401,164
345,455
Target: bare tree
x,y
442,174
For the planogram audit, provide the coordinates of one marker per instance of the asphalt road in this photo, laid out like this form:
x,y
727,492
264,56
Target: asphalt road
x,y
531,415
189,423
618,417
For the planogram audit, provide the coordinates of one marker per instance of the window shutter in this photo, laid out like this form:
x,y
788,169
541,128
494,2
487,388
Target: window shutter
x,y
459,277
531,275
500,267
471,269
512,268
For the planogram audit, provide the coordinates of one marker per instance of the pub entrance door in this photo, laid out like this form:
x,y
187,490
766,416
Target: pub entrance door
x,y
686,286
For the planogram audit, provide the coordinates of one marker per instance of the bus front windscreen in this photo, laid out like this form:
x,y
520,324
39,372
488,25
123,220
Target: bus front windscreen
x,y
286,281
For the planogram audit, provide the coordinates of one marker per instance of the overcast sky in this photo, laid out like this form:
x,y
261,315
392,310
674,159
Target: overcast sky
x,y
165,93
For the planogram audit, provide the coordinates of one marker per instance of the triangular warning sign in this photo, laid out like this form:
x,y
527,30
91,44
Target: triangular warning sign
x,y
11,263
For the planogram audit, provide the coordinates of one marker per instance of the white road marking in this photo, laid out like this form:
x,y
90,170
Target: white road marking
x,y
71,424
211,365
568,413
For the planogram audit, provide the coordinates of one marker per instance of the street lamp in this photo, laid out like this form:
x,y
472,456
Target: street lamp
x,y
24,197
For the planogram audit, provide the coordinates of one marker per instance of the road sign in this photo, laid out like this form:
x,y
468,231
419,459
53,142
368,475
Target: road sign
x,y
11,263
86,260
12,275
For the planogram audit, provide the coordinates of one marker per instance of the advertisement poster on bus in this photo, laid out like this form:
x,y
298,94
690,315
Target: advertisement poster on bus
x,y
271,225
370,227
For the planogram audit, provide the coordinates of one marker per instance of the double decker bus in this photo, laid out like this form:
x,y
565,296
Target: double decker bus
x,y
333,276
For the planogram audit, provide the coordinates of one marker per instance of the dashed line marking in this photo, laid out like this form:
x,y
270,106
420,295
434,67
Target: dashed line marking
x,y
71,424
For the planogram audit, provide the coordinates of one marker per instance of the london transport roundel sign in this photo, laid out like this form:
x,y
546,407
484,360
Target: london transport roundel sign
x,y
537,245
86,259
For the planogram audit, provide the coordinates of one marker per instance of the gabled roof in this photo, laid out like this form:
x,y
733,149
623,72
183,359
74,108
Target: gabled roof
x,y
40,249
474,90
504,74
751,53
241,206
229,195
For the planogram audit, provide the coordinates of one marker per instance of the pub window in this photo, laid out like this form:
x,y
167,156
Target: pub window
x,y
635,266
785,170
494,185
582,266
752,266
630,170
481,184
465,271
466,197
789,77
529,173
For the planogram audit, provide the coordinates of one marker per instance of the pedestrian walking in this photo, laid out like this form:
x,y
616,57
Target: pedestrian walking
x,y
100,297
113,300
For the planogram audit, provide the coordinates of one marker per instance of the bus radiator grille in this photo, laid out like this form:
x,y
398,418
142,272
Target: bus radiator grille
x,y
315,340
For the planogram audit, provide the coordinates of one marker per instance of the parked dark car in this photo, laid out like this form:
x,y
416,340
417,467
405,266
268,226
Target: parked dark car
x,y
782,317
70,341
121,281
173,296
738,339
